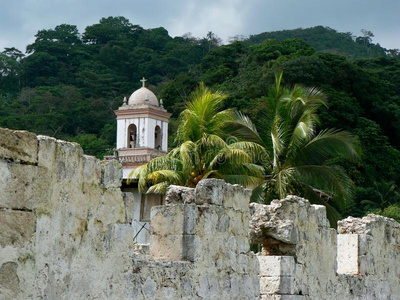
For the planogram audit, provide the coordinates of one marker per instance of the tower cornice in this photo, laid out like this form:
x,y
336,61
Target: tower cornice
x,y
143,112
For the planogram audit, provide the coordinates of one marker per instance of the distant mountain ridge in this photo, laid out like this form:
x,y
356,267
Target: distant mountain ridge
x,y
326,39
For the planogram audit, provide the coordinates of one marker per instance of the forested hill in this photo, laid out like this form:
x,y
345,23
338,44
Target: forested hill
x,y
325,39
67,85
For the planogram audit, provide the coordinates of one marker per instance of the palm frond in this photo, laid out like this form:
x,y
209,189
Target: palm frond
x,y
258,194
212,140
170,176
278,143
244,180
332,180
140,173
163,163
331,213
326,145
158,188
241,127
255,151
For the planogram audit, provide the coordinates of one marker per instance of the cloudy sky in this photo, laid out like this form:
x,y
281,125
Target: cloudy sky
x,y
20,20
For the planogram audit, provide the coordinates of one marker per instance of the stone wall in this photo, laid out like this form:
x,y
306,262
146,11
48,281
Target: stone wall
x,y
66,233
200,242
303,258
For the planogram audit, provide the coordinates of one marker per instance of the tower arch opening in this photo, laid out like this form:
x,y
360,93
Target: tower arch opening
x,y
157,138
132,136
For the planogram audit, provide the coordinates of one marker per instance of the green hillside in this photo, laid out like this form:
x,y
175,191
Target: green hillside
x,y
325,39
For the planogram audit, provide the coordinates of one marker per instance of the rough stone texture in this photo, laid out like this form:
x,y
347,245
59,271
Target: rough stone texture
x,y
18,145
178,194
9,281
66,232
212,236
16,227
305,259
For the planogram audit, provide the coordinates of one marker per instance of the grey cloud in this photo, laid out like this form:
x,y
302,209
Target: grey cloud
x,y
20,20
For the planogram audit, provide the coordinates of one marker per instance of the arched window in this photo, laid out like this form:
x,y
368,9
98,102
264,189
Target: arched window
x,y
132,134
157,138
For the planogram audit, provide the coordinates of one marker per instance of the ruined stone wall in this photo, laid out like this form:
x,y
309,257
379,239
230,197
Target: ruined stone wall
x,y
66,232
200,242
303,258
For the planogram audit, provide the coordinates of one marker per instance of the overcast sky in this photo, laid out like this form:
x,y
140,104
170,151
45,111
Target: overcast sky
x,y
21,19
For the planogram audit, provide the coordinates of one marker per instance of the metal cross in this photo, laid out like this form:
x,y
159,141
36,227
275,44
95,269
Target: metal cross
x,y
143,80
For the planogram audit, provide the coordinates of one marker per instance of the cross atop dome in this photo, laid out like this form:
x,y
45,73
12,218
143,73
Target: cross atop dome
x,y
143,80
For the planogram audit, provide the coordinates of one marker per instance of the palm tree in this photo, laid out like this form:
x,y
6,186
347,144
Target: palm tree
x,y
207,150
299,159
387,194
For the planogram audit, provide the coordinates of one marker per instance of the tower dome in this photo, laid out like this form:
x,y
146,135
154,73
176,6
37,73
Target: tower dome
x,y
143,96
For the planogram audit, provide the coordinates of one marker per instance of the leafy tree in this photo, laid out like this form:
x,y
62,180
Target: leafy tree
x,y
54,56
325,39
380,161
392,211
297,160
366,39
93,145
386,194
10,70
109,29
206,149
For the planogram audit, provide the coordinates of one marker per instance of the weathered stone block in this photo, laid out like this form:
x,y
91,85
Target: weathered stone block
x,y
174,219
276,265
167,220
237,197
275,221
191,246
112,173
347,259
166,247
18,145
210,191
65,160
16,227
190,218
243,244
238,222
320,213
9,281
91,170
23,186
179,195
47,151
277,285
129,202
111,208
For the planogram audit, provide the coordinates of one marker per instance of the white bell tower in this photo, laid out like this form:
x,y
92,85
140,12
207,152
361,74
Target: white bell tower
x,y
142,129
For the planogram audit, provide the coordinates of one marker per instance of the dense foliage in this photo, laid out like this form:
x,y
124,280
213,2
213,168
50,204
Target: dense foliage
x,y
67,85
325,39
300,159
206,149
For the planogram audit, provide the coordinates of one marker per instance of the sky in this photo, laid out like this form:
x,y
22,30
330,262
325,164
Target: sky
x,y
21,20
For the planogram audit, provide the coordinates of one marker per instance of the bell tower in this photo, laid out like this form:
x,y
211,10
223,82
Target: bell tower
x,y
142,129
